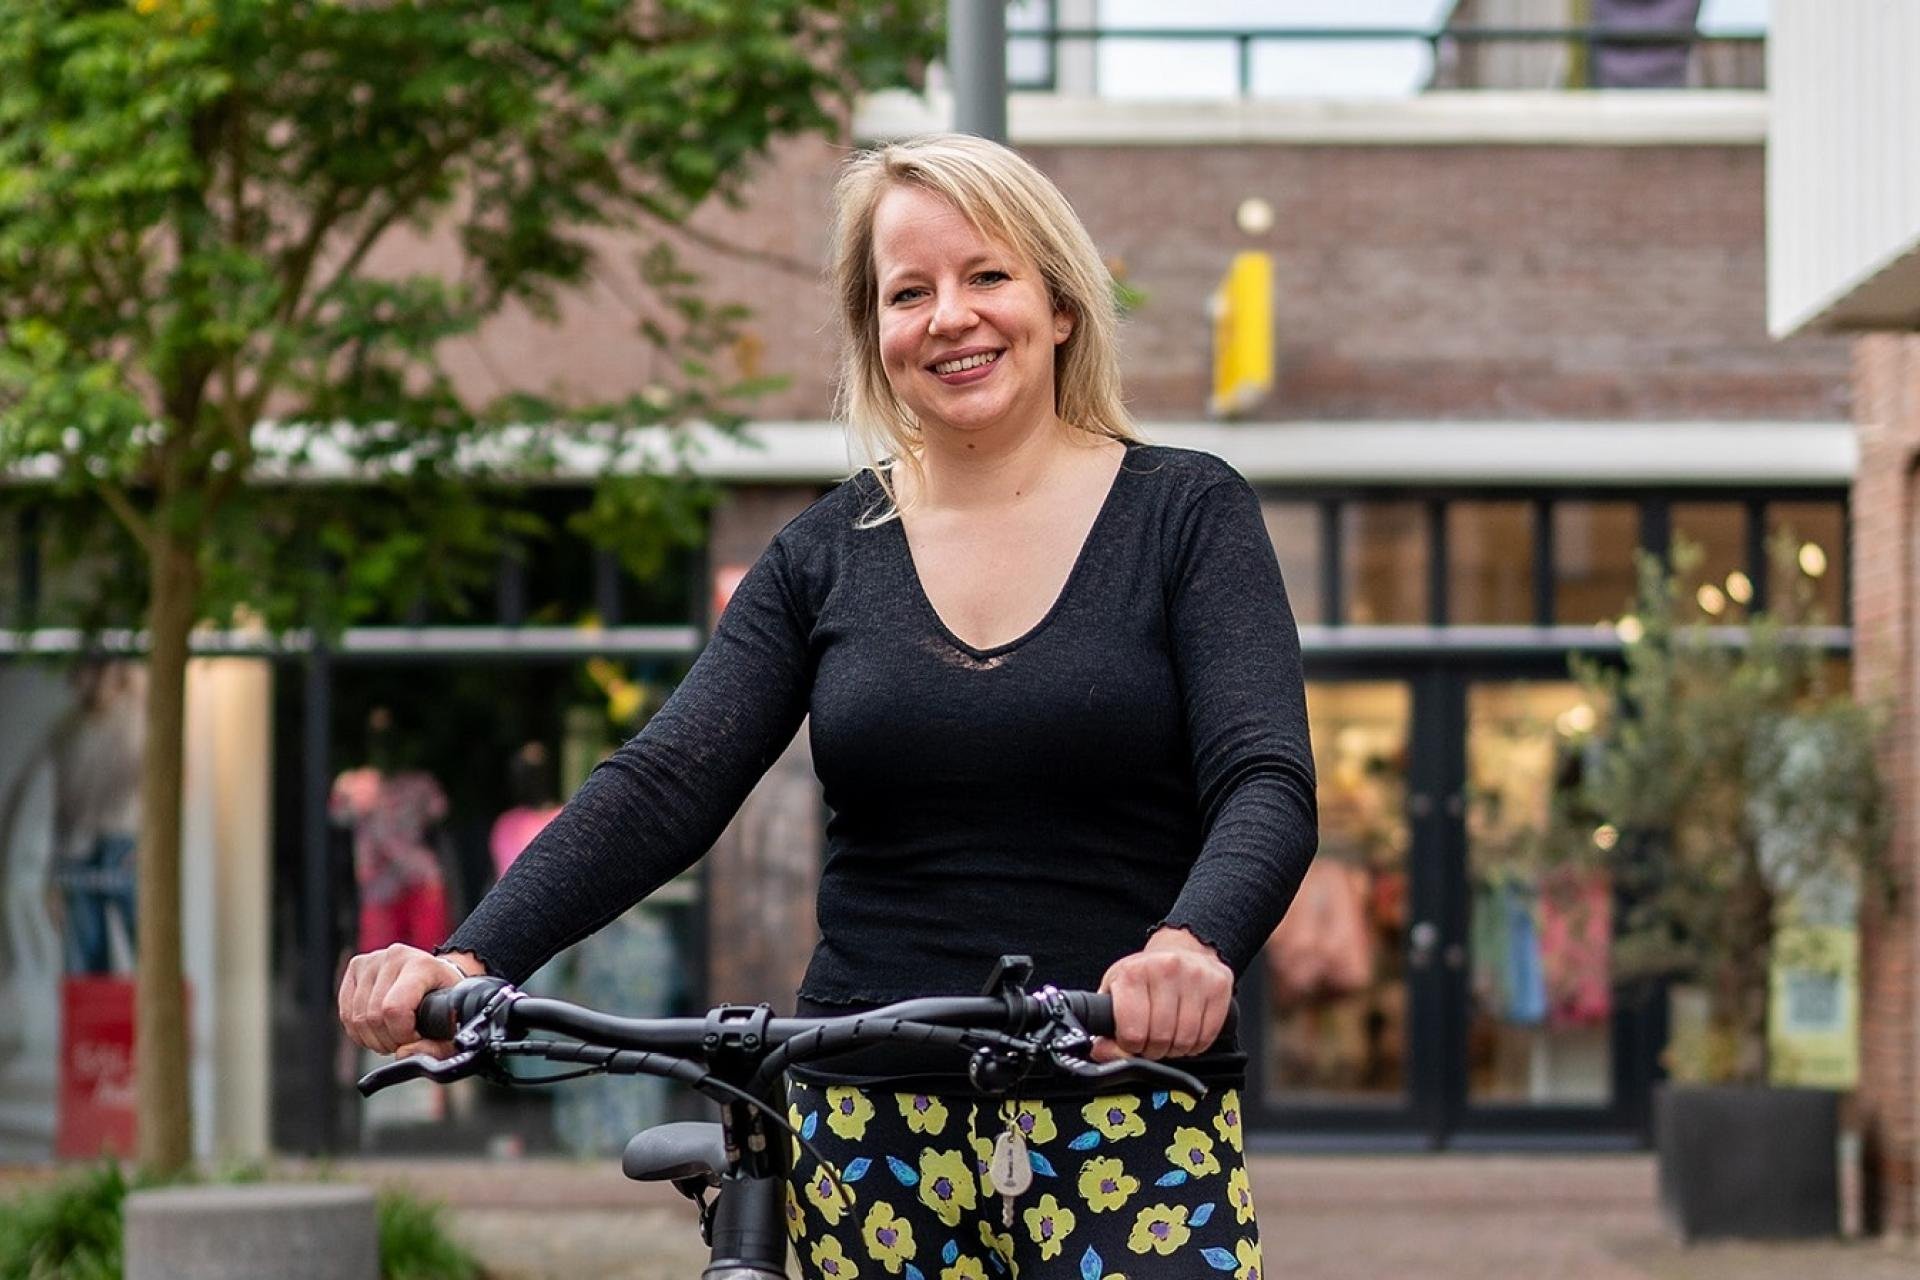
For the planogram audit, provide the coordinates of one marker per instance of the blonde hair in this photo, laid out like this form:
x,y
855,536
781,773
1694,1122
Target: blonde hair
x,y
1008,200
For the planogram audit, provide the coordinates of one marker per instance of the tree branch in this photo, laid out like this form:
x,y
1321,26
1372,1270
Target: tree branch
x,y
719,244
129,516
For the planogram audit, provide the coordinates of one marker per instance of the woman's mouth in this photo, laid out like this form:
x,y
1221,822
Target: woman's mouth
x,y
966,368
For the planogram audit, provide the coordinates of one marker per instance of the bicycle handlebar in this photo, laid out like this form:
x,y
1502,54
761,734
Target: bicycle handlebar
x,y
444,1011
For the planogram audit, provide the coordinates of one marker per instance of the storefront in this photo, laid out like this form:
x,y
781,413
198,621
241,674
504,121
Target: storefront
x,y
1421,994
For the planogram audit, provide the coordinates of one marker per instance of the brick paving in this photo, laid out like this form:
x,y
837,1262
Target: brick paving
x,y
1430,1217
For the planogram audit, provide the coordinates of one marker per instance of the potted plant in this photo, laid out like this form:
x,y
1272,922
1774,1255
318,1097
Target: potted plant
x,y
1729,789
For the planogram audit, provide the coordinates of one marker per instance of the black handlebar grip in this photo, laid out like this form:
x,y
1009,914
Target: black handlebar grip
x,y
1094,1011
435,1017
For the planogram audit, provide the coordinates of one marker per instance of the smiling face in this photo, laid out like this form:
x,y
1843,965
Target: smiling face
x,y
966,329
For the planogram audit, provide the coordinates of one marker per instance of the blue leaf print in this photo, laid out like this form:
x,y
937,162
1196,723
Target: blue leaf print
x,y
1200,1216
1160,1100
810,1124
1086,1141
856,1169
913,1273
1219,1259
1041,1165
1171,1178
1090,1266
903,1172
993,1256
950,1254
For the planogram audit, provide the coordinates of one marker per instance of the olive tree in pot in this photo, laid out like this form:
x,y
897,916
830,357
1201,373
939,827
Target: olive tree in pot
x,y
1731,791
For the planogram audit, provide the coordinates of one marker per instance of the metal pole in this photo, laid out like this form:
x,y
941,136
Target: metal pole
x,y
977,64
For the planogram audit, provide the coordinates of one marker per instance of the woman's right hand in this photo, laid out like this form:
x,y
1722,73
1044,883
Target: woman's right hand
x,y
382,991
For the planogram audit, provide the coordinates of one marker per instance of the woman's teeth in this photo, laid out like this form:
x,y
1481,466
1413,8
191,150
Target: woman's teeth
x,y
968,362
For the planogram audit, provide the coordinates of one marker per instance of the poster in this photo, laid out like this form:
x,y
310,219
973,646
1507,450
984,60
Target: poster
x,y
70,759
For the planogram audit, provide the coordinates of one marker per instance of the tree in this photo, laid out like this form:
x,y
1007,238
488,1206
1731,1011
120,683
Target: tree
x,y
1730,793
189,194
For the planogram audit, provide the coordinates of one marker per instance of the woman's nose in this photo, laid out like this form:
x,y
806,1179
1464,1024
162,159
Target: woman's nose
x,y
951,315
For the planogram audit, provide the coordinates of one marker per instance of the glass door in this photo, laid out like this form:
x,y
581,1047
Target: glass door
x,y
1545,1039
1345,1029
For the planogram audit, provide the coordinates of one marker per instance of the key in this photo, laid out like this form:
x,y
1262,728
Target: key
x,y
1009,1170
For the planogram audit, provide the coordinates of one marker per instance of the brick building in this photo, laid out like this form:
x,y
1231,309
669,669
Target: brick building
x,y
1844,258
1518,333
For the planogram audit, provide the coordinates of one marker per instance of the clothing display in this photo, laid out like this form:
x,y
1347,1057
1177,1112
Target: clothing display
x,y
628,966
1324,947
397,871
514,830
1576,940
1139,757
1149,1186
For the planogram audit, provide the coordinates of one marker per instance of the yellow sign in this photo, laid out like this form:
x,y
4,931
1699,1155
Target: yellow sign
x,y
1813,1025
1242,311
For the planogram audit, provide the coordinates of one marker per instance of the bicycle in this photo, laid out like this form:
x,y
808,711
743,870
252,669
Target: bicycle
x,y
738,1055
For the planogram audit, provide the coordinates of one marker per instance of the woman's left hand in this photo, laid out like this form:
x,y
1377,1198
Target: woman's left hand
x,y
1170,999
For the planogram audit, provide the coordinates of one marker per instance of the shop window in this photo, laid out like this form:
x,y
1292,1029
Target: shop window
x,y
1721,583
1489,562
1383,563
1294,528
1593,545
1816,561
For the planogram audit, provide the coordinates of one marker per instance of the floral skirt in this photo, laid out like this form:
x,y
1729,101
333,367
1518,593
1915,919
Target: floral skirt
x,y
1125,1187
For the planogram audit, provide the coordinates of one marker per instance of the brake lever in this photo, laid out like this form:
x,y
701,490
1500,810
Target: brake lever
x,y
418,1066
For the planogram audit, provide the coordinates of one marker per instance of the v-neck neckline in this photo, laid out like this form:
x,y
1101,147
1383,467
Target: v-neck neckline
x,y
1100,519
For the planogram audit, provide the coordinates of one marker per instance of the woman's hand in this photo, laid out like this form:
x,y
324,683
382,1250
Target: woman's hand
x,y
1170,999
382,991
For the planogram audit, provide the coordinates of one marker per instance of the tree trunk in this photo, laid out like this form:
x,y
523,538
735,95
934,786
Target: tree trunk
x,y
1744,991
161,1099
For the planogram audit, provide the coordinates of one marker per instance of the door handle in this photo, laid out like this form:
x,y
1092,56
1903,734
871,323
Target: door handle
x,y
1423,938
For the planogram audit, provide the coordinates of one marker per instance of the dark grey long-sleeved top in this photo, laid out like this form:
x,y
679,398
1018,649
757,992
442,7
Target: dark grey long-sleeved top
x,y
1140,757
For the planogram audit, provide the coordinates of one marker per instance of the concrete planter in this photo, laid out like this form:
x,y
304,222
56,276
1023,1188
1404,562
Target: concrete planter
x,y
263,1231
1748,1162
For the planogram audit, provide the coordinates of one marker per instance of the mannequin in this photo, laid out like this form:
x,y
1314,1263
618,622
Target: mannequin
x,y
391,812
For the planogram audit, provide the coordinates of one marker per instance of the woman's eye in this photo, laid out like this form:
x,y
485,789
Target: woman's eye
x,y
991,276
905,295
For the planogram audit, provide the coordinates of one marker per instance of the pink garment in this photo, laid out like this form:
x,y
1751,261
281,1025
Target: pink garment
x,y
1576,941
1322,947
514,830
390,816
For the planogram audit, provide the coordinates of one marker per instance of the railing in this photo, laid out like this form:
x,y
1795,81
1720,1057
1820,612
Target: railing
x,y
1738,55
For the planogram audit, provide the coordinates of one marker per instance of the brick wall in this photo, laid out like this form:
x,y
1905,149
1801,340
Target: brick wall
x,y
1886,524
1504,282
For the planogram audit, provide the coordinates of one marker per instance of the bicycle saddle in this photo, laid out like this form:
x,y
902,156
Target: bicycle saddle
x,y
685,1150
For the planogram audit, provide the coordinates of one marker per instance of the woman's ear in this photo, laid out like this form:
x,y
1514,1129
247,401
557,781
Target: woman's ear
x,y
1062,326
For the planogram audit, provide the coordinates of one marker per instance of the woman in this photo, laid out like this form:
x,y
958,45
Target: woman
x,y
1057,709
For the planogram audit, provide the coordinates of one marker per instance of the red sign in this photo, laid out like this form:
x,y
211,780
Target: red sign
x,y
96,1068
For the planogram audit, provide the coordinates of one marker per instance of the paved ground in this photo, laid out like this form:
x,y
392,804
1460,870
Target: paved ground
x,y
1449,1217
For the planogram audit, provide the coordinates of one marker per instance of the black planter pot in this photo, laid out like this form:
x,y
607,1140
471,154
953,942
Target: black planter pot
x,y
1748,1161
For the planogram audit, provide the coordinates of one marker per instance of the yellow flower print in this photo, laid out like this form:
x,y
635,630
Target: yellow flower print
x,y
1049,1222
889,1237
1182,1099
923,1114
795,1119
848,1112
1105,1184
1248,1254
967,1268
1159,1229
828,1260
1034,1120
1001,1242
1192,1150
946,1184
1115,1117
1227,1122
826,1196
1240,1196
796,1217
982,1155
